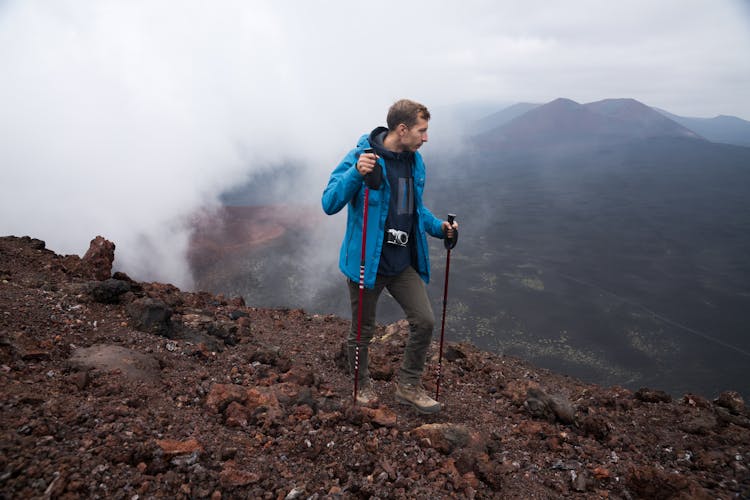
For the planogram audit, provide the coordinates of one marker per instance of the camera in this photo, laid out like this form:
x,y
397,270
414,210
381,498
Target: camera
x,y
396,237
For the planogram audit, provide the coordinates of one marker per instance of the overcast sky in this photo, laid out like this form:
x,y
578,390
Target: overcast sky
x,y
123,118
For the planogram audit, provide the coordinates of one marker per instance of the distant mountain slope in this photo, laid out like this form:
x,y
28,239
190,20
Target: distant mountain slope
x,y
503,116
643,121
723,128
564,121
606,230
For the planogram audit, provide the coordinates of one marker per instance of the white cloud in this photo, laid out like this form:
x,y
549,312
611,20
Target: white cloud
x,y
122,118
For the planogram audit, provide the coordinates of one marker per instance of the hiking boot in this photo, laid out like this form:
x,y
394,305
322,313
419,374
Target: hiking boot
x,y
417,397
366,395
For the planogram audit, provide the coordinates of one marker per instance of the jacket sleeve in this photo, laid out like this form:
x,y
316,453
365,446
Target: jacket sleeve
x,y
432,224
344,183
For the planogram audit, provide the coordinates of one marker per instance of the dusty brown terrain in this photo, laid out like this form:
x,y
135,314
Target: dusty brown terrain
x,y
232,230
118,389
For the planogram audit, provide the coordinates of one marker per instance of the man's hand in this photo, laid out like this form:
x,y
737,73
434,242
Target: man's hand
x,y
366,163
449,230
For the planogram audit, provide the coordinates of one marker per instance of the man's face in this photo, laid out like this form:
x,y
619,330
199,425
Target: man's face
x,y
413,138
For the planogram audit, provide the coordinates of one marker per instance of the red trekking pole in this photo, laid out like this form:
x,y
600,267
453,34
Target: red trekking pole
x,y
449,244
372,180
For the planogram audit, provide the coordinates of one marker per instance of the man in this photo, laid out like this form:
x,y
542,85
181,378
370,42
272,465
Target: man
x,y
396,254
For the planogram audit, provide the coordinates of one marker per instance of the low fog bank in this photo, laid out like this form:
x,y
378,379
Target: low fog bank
x,y
128,122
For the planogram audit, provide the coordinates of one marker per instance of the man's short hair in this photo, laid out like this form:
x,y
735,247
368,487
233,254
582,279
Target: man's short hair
x,y
407,112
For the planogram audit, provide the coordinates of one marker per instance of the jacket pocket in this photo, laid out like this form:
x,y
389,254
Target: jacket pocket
x,y
374,197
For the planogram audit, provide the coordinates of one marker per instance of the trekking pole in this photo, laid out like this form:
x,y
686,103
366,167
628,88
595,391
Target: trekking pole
x,y
371,181
449,244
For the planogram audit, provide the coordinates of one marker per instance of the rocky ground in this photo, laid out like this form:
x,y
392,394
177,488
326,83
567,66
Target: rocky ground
x,y
117,389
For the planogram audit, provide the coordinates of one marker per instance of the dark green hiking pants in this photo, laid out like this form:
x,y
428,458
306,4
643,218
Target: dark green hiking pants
x,y
411,294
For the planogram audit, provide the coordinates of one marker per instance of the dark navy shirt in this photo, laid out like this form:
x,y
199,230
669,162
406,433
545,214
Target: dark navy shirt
x,y
394,259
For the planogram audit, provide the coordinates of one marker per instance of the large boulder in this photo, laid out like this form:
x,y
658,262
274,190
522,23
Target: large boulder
x,y
550,407
447,437
109,358
97,262
109,290
151,316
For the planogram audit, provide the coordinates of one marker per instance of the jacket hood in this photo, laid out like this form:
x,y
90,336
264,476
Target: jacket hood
x,y
376,138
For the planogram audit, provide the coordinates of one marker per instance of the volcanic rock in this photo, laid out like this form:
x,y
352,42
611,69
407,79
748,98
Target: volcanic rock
x,y
221,395
732,401
542,405
151,316
652,396
97,261
173,447
382,416
112,358
448,437
109,290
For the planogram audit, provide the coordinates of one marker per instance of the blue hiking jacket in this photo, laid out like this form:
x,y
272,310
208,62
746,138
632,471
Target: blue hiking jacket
x,y
347,187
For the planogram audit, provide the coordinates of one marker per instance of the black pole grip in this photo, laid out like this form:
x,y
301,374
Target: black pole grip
x,y
374,178
450,243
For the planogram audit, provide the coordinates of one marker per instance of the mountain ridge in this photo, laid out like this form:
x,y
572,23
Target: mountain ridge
x,y
725,129
563,120
722,128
